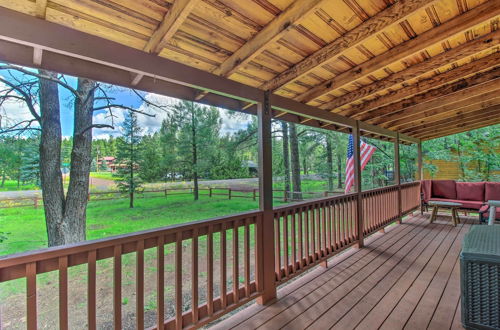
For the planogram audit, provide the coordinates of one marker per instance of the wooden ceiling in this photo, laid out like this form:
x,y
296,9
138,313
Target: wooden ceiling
x,y
420,67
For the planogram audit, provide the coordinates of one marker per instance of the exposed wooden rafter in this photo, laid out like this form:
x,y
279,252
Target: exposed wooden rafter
x,y
448,113
461,72
443,104
442,32
173,19
171,22
433,94
389,16
458,128
483,114
273,31
41,8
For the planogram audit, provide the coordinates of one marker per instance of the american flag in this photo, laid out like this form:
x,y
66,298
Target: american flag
x,y
365,155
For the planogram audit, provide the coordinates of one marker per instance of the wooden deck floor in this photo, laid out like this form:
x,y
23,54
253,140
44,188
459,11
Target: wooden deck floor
x,y
407,278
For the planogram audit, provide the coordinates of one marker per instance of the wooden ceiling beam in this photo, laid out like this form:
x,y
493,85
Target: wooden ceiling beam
x,y
433,94
480,113
422,111
415,108
450,76
460,128
405,49
173,19
273,31
446,113
465,50
41,8
387,17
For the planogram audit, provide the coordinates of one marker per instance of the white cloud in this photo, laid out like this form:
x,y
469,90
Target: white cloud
x,y
13,111
230,123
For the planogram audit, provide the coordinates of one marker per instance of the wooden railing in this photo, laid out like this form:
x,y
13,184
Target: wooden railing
x,y
226,250
235,233
309,233
410,196
380,207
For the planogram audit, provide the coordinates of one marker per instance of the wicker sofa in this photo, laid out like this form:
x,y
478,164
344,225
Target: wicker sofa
x,y
472,195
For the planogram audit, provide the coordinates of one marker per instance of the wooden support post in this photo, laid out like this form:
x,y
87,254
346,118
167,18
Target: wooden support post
x,y
266,279
254,194
420,164
35,202
397,176
357,183
209,192
229,193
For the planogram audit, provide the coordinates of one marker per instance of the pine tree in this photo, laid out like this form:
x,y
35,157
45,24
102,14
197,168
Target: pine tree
x,y
127,155
30,163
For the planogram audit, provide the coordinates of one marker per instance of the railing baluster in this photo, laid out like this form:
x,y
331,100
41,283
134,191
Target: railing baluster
x,y
139,278
178,280
317,211
344,224
31,312
301,238
285,244
236,280
160,281
246,243
63,293
194,276
277,246
313,232
323,215
329,225
210,271
91,290
307,245
294,244
117,287
223,266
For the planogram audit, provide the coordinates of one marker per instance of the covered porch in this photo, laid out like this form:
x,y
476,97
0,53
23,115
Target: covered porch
x,y
403,72
406,277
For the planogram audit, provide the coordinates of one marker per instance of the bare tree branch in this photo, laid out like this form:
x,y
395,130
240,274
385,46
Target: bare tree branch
x,y
96,126
27,98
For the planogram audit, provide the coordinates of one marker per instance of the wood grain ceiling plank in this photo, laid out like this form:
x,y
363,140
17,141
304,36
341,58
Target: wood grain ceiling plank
x,y
460,128
392,15
405,49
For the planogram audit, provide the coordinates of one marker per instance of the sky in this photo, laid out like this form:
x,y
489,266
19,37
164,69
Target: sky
x,y
15,111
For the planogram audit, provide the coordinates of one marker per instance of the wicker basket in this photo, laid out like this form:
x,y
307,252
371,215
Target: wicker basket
x,y
480,278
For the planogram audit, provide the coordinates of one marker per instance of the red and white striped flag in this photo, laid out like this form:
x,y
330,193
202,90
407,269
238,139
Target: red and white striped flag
x,y
366,153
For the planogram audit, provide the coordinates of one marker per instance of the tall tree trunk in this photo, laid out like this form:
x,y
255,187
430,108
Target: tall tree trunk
x,y
195,154
339,171
329,162
81,160
295,162
50,161
286,158
131,185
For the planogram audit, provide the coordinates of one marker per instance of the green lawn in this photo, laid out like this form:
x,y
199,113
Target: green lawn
x,y
25,227
11,185
103,175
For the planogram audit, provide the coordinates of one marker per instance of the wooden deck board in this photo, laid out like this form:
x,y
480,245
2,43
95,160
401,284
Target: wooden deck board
x,y
405,278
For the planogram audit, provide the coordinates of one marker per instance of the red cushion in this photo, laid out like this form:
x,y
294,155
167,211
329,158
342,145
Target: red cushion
x,y
425,188
492,191
444,189
474,205
470,191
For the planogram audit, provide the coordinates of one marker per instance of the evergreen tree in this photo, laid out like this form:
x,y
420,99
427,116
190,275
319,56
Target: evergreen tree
x,y
127,156
30,164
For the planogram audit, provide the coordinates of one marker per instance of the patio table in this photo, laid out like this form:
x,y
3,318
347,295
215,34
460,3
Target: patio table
x,y
445,205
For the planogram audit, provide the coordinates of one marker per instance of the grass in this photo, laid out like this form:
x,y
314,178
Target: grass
x,y
25,227
103,175
11,185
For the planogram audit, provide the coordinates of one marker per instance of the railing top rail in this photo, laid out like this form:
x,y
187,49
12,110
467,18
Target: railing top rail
x,y
72,249
312,201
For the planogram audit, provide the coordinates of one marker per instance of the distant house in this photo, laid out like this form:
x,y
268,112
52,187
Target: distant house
x,y
106,163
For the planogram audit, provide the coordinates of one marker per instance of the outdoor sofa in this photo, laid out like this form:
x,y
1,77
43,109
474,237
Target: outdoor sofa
x,y
472,195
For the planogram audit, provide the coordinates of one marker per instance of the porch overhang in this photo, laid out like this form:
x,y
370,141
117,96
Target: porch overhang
x,y
459,84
